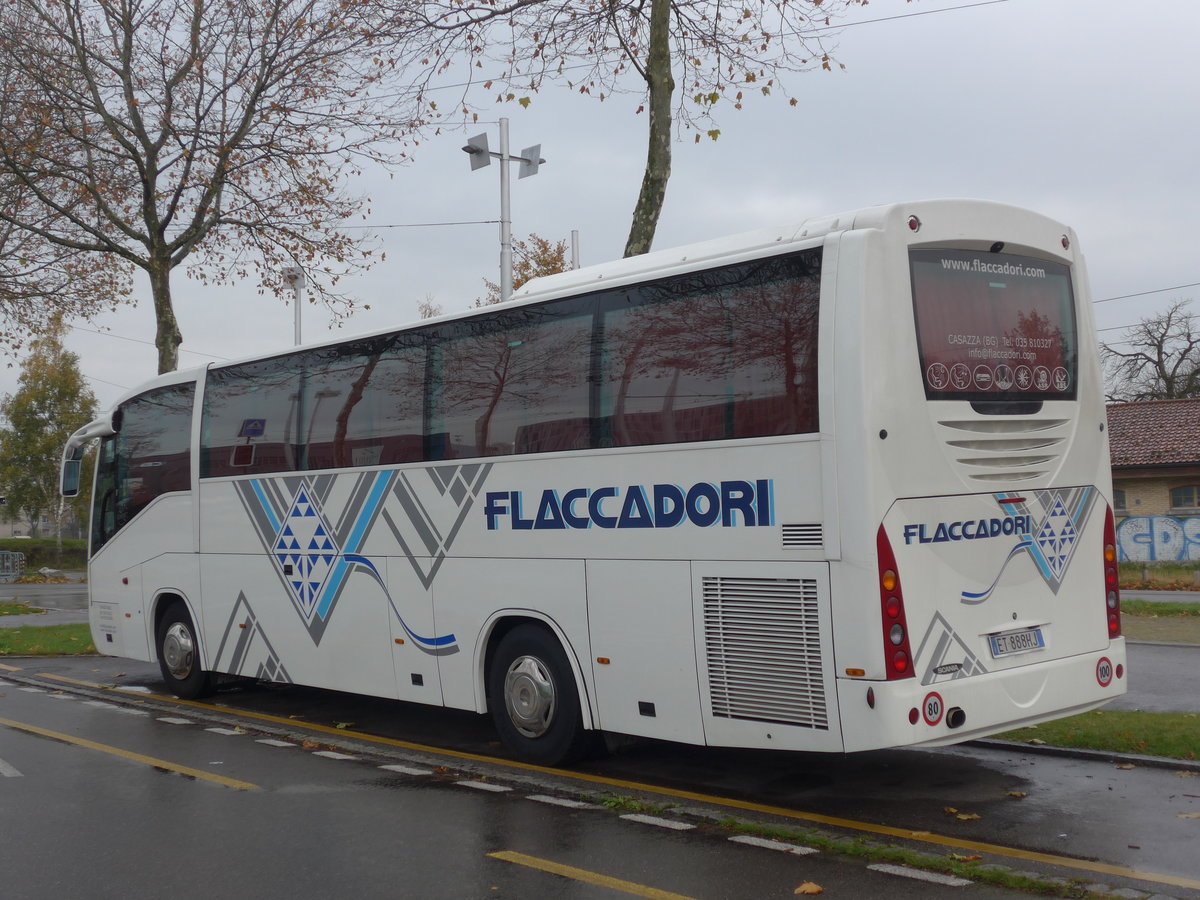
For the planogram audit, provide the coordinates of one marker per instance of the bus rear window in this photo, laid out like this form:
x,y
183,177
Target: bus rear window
x,y
994,326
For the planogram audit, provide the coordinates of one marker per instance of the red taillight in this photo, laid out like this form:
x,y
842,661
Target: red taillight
x,y
897,656
1112,586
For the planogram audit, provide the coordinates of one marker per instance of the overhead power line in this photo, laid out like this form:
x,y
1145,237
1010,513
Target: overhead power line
x,y
1177,287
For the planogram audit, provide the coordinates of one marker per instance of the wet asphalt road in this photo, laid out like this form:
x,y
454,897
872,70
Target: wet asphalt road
x,y
217,808
1078,808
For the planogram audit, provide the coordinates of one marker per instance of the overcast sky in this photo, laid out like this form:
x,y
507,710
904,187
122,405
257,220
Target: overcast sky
x,y
1085,110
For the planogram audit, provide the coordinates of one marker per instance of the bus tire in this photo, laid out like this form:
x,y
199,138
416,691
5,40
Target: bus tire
x,y
179,655
534,700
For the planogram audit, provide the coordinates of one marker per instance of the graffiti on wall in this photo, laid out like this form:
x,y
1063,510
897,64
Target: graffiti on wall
x,y
1156,538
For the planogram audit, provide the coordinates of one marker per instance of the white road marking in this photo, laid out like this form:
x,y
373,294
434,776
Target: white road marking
x,y
773,845
229,732
407,770
333,754
562,801
657,822
32,690
920,875
131,712
8,771
174,720
272,742
99,704
484,786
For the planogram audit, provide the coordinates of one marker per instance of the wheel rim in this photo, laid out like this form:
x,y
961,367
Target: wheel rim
x,y
179,650
529,696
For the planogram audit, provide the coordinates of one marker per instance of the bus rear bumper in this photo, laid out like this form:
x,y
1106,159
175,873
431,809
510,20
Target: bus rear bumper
x,y
950,711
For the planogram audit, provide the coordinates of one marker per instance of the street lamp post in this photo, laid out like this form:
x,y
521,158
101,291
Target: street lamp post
x,y
530,159
294,276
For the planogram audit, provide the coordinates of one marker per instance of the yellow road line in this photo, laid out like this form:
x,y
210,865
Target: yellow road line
x,y
9,668
130,755
604,881
906,834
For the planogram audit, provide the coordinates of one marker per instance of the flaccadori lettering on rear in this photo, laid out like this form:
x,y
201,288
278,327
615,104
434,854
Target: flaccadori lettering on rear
x,y
726,504
966,530
1044,524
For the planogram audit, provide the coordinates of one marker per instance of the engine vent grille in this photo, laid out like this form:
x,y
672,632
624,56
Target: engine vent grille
x,y
763,643
1005,450
802,535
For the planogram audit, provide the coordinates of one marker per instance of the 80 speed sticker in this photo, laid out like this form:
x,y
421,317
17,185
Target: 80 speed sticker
x,y
932,708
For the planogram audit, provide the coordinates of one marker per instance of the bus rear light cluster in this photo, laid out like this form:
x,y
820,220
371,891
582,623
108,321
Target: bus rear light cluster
x,y
1112,587
897,655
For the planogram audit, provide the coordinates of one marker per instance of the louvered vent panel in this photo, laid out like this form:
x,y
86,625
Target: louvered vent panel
x,y
763,643
802,535
1005,450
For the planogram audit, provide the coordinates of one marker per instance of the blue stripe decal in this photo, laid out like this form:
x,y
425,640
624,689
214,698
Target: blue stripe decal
x,y
971,597
353,543
266,504
444,641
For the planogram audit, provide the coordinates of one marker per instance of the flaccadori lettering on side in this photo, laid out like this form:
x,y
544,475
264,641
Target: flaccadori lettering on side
x,y
726,503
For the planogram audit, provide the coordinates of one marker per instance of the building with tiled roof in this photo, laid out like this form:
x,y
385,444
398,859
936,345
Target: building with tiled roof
x,y
1155,446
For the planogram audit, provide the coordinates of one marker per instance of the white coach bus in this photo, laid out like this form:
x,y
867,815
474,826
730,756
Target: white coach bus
x,y
832,487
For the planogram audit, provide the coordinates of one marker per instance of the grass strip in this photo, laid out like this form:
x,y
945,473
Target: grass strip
x,y
1158,609
1173,735
48,640
17,609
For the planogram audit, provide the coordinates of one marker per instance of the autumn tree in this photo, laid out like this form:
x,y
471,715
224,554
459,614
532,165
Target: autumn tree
x,y
40,280
428,308
52,400
216,133
1156,359
685,58
532,258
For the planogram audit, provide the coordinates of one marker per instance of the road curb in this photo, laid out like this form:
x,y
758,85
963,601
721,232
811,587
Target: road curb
x,y
1147,762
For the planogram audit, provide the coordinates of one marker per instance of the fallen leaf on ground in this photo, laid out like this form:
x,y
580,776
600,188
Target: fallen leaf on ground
x,y
310,745
961,858
967,817
1189,815
1126,766
809,888
1018,795
949,810
344,725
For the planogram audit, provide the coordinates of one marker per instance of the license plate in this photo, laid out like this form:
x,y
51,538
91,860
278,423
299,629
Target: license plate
x,y
1016,642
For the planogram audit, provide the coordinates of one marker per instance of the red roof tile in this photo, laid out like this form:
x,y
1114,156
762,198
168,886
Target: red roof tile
x,y
1154,433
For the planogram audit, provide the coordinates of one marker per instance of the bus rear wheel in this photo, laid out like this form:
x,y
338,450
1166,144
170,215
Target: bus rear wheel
x,y
533,698
179,655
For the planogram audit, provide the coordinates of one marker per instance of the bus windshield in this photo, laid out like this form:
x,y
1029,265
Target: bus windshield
x,y
994,326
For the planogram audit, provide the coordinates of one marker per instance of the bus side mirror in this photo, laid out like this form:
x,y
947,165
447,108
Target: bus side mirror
x,y
70,477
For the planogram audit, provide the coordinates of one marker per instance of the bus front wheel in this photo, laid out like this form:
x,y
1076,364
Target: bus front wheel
x,y
179,655
533,698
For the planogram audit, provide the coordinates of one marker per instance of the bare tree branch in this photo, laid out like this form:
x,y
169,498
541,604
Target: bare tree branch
x,y
1158,359
217,132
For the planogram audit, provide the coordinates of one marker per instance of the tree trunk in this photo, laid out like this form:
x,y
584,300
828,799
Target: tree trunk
x,y
661,86
167,338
